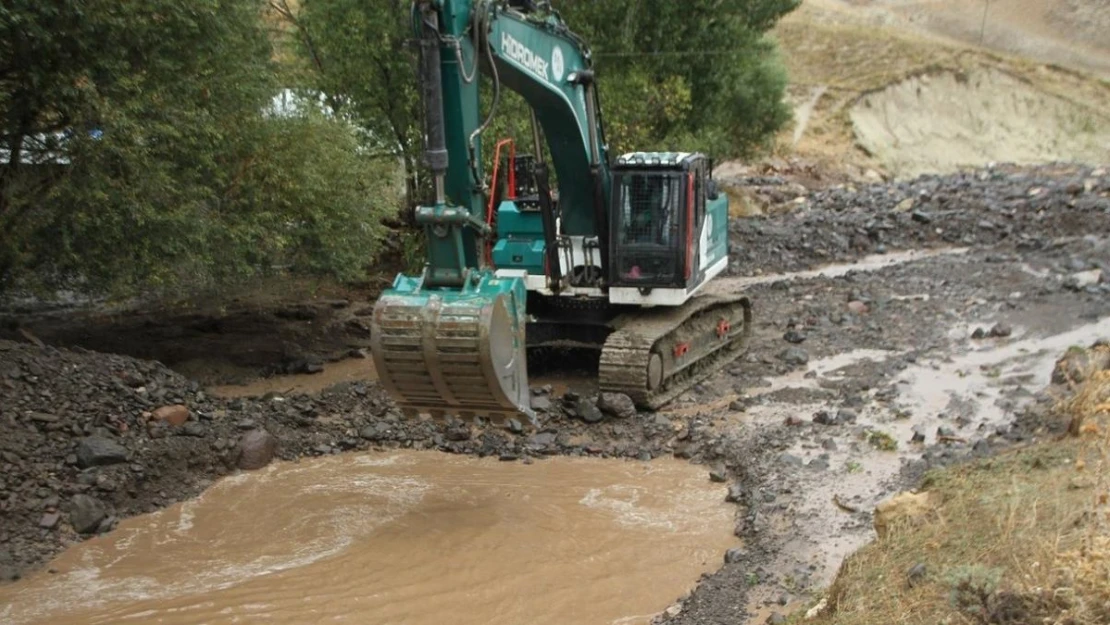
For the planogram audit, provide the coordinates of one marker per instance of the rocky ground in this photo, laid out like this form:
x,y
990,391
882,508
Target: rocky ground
x,y
811,225
859,378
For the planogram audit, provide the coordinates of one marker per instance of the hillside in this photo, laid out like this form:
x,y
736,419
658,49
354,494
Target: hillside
x,y
905,88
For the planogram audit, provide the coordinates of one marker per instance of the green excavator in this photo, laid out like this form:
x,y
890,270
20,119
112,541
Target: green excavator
x,y
614,255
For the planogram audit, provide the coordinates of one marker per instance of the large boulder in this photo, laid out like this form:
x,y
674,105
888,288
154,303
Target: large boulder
x,y
256,449
617,405
96,451
86,513
1078,364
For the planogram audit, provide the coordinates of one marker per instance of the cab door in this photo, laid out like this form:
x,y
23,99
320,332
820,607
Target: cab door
x,y
695,222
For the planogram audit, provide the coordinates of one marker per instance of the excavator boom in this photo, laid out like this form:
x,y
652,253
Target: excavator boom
x,y
452,340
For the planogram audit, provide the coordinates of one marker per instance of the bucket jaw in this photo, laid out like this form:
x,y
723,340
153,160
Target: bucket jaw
x,y
454,351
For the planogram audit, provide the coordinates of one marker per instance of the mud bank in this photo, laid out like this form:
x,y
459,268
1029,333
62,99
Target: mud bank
x,y
938,123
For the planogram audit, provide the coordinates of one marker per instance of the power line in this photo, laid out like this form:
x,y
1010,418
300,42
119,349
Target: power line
x,y
667,53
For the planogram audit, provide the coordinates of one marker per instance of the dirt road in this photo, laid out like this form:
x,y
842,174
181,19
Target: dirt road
x,y
899,327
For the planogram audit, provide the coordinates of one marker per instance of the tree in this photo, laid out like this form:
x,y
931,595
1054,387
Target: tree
x,y
138,152
696,74
355,53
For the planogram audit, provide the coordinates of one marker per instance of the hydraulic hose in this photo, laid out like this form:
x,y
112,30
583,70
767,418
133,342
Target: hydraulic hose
x,y
483,27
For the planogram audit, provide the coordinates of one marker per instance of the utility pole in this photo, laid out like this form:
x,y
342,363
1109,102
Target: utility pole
x,y
983,26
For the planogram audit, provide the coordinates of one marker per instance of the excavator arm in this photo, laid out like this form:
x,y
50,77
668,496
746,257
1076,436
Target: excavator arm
x,y
451,340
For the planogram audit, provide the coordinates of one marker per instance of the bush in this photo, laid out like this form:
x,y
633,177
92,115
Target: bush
x,y
167,172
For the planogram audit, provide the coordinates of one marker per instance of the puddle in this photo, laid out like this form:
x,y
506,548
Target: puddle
x,y
971,392
406,537
873,262
807,378
971,384
350,370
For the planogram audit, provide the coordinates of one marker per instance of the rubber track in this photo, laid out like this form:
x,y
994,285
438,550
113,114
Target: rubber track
x,y
624,358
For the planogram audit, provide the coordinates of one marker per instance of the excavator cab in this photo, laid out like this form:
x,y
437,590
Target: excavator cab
x,y
657,218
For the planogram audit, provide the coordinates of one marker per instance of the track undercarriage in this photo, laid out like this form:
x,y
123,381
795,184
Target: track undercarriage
x,y
654,355
434,351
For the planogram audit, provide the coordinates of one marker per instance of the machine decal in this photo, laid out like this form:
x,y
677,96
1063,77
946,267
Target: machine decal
x,y
557,65
706,234
523,55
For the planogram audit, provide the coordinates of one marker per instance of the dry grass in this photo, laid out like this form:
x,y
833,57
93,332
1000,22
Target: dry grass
x,y
1020,538
852,58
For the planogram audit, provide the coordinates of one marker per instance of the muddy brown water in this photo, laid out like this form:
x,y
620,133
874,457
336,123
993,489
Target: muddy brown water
x,y
401,537
349,370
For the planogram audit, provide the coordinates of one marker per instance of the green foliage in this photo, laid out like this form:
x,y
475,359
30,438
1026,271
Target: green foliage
x,y
355,51
971,587
696,75
189,182
881,440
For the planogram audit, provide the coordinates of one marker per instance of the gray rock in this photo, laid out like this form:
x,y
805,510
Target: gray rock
x,y
541,402
791,460
1001,330
193,428
828,444
96,451
86,513
795,356
794,336
818,464
775,619
543,439
458,433
735,493
1077,364
515,426
256,450
718,474
916,574
846,415
616,405
918,434
734,555
588,411
49,520
979,333
921,217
